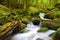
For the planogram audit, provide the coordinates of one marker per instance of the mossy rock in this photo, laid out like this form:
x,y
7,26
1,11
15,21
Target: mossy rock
x,y
51,24
4,10
25,20
33,9
43,29
57,36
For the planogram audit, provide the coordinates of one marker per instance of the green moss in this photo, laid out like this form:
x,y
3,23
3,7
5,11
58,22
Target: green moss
x,y
43,29
57,14
33,9
25,20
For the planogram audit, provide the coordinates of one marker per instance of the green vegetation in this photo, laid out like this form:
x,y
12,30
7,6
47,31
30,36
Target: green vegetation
x,y
57,14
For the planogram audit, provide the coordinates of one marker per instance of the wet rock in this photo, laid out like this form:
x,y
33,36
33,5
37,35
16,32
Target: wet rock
x,y
43,29
36,21
51,24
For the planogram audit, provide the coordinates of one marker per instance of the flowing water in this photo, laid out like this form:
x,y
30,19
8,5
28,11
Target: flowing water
x,y
41,15
32,34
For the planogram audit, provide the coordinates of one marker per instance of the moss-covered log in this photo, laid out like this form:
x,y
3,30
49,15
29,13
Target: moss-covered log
x,y
7,27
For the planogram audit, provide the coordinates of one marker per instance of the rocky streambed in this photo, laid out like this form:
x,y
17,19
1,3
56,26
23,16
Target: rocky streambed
x,y
39,29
